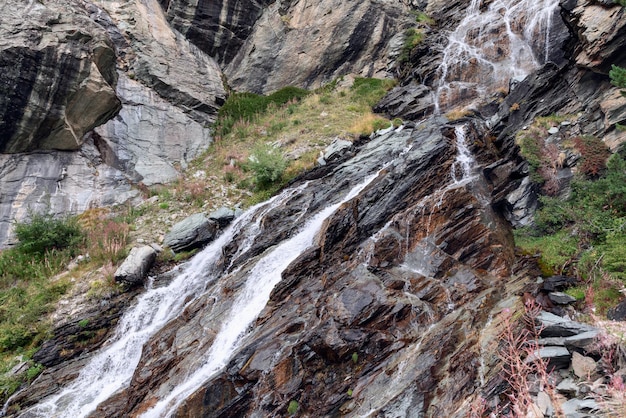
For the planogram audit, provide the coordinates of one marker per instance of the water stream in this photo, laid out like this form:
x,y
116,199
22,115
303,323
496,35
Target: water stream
x,y
475,63
492,45
249,304
113,366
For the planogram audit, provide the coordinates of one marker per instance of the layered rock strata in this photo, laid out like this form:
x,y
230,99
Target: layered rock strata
x,y
264,46
111,94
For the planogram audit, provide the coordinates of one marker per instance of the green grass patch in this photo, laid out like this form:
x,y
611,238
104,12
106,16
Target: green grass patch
x,y
585,235
245,107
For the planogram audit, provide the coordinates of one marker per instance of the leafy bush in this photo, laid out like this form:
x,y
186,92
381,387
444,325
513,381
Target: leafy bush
x,y
43,234
268,165
293,407
594,154
618,74
586,234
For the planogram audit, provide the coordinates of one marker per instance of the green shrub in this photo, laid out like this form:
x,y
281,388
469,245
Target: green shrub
x,y
43,233
593,153
412,38
293,407
618,74
577,292
267,165
557,250
422,17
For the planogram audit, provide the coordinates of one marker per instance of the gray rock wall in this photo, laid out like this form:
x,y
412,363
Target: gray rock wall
x,y
263,47
57,76
112,84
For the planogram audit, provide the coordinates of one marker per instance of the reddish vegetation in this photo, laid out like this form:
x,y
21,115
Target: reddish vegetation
x,y
594,154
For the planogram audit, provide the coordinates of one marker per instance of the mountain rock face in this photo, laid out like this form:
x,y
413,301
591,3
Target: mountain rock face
x,y
97,96
58,77
263,46
374,285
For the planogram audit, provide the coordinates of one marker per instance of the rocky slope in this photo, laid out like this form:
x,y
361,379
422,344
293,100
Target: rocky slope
x,y
380,281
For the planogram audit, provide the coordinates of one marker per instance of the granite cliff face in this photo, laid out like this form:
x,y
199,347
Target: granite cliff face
x,y
263,46
58,77
97,97
371,286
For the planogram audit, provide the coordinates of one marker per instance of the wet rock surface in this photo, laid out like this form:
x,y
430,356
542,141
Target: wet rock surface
x,y
396,307
361,285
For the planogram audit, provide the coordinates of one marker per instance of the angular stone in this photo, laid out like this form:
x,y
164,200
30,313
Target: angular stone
x,y
193,232
556,326
545,404
223,216
574,406
584,367
554,283
557,357
554,341
136,265
618,312
412,101
561,298
337,149
568,386
581,341
554,130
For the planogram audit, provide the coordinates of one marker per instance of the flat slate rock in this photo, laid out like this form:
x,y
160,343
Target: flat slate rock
x,y
581,341
561,298
557,357
555,326
555,283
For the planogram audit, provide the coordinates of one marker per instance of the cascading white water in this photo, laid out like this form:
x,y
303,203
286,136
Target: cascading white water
x,y
464,158
249,304
491,45
112,368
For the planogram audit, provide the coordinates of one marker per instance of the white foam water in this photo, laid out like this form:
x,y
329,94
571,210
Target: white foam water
x,y
248,305
490,46
112,367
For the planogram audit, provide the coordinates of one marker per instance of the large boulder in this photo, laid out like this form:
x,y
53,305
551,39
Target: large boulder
x,y
136,265
193,232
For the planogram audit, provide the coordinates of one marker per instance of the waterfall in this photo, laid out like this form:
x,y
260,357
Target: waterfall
x,y
112,368
464,158
492,45
249,304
